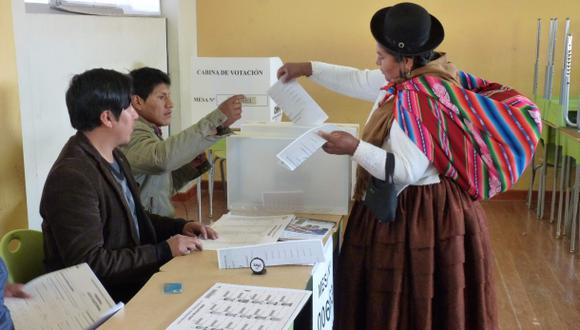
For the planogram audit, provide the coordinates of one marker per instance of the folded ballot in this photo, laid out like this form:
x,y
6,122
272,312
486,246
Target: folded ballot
x,y
299,150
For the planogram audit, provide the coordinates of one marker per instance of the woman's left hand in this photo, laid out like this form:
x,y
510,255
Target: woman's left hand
x,y
339,143
195,229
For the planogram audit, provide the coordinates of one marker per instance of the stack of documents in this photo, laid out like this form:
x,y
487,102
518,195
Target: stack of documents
x,y
242,238
237,230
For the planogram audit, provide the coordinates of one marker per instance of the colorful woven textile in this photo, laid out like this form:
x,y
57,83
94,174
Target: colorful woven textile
x,y
480,134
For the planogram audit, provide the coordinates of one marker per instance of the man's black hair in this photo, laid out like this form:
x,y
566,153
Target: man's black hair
x,y
146,79
94,91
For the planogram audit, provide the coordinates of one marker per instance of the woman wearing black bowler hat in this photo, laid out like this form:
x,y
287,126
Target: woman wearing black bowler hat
x,y
455,139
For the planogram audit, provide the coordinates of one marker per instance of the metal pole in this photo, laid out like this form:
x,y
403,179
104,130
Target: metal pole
x,y
565,58
549,60
566,81
552,55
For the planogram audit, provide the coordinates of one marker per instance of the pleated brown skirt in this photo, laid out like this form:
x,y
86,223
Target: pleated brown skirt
x,y
432,268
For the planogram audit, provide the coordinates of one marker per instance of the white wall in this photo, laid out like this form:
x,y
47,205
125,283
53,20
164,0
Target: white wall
x,y
50,49
182,46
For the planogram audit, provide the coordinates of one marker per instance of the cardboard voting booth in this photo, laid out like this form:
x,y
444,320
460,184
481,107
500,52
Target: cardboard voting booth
x,y
257,182
215,79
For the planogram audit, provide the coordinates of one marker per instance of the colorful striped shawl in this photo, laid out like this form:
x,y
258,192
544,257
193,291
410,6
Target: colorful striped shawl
x,y
480,134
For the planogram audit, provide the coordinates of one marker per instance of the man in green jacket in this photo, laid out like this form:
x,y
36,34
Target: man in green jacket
x,y
160,166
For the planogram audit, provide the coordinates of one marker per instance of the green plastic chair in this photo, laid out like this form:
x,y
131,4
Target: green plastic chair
x,y
554,152
25,261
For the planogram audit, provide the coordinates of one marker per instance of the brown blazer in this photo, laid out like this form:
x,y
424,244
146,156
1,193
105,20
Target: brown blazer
x,y
86,219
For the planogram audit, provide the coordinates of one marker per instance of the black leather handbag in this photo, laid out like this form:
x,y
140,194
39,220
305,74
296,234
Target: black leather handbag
x,y
381,196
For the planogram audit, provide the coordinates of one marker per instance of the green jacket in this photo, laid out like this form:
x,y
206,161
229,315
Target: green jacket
x,y
162,167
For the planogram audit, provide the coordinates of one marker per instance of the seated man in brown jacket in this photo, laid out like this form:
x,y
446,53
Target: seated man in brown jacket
x,y
90,203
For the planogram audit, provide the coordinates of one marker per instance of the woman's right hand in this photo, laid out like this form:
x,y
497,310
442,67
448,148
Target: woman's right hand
x,y
339,143
291,71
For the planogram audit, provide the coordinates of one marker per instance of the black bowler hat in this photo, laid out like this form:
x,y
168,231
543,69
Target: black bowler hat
x,y
406,29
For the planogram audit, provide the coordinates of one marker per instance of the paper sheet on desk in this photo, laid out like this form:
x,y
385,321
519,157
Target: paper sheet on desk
x,y
236,230
71,298
243,307
300,252
299,150
296,103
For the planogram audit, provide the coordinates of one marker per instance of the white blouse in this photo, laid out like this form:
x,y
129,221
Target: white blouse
x,y
411,166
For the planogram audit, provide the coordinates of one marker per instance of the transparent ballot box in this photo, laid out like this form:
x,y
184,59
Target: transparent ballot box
x,y
256,181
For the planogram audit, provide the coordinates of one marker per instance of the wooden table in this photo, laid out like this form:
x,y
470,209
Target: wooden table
x,y
151,308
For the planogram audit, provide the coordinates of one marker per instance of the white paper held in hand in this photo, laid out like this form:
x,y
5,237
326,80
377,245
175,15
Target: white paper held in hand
x,y
70,298
303,147
296,103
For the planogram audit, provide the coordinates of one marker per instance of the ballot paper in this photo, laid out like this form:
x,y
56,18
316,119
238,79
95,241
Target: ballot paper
x,y
296,103
300,252
70,298
299,150
243,307
237,230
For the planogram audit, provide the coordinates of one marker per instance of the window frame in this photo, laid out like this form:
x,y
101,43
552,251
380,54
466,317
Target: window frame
x,y
43,7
